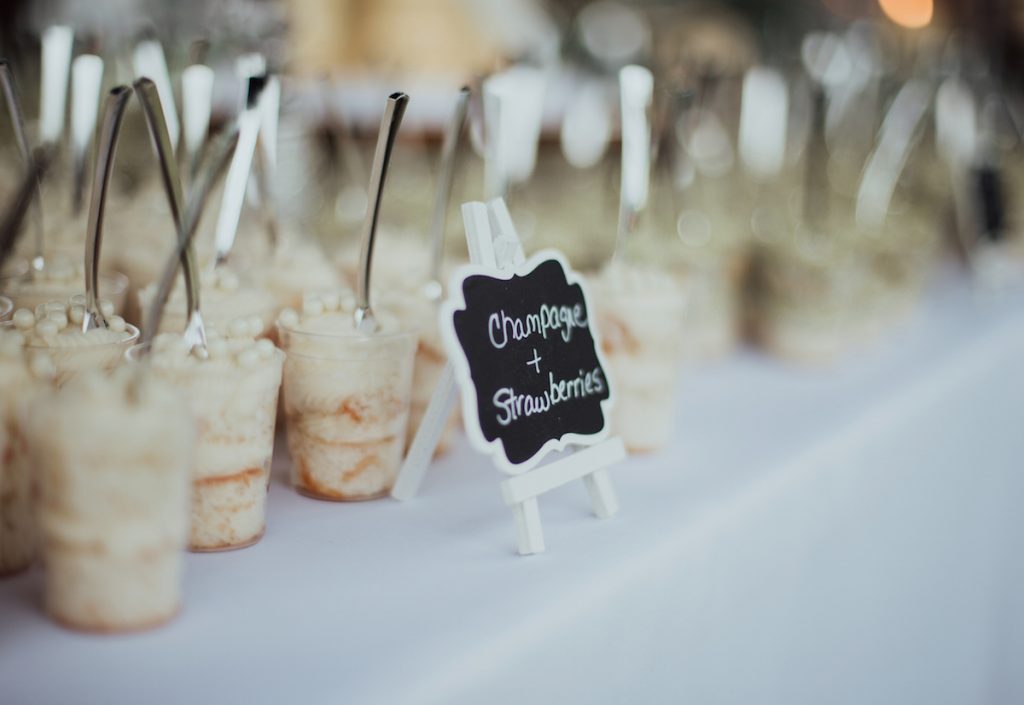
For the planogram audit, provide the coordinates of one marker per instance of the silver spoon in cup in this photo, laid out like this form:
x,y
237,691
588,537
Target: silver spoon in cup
x,y
110,130
220,153
146,90
18,122
446,173
394,109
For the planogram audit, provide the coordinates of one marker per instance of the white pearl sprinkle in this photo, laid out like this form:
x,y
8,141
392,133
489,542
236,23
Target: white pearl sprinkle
x,y
217,349
41,366
265,347
59,318
288,318
255,324
238,328
47,328
24,319
117,324
248,357
312,305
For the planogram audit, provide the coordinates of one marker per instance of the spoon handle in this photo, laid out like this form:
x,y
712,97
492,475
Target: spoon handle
x,y
14,110
86,85
449,150
110,130
196,98
238,173
10,226
160,137
58,41
221,150
18,121
389,124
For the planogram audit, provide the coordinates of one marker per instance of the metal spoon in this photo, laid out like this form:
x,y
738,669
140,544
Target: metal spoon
x,y
195,335
152,109
261,172
18,121
238,173
816,194
394,109
86,80
110,130
446,173
196,98
10,226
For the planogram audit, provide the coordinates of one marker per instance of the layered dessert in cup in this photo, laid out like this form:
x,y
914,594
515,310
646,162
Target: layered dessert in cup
x,y
55,329
800,298
112,456
296,265
417,312
59,280
20,379
705,250
346,400
814,294
232,395
225,297
640,313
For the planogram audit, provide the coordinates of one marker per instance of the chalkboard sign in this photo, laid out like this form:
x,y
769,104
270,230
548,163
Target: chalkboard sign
x,y
526,359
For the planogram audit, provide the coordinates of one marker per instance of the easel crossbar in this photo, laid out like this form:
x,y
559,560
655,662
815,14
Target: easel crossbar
x,y
562,471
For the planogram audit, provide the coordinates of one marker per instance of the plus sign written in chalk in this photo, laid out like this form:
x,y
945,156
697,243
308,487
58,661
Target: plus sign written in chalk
x,y
535,361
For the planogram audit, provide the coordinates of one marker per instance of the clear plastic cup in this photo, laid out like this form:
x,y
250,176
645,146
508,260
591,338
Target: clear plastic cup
x,y
419,313
642,334
112,455
346,401
28,293
72,355
233,398
17,533
220,305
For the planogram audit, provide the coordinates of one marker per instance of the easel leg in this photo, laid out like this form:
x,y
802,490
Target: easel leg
x,y
602,494
529,534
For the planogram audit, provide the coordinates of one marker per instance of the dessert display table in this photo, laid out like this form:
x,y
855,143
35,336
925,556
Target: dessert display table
x,y
844,535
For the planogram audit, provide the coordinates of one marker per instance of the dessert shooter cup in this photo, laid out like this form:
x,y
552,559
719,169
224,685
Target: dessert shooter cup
x,y
641,323
419,313
59,285
112,456
55,335
17,531
233,398
346,401
225,299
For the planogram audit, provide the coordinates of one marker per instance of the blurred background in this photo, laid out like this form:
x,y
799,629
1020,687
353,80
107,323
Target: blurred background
x,y
814,163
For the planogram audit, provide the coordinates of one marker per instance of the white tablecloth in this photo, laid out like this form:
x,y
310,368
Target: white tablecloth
x,y
847,536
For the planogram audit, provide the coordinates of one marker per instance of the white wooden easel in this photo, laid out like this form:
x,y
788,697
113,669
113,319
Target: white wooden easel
x,y
493,243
